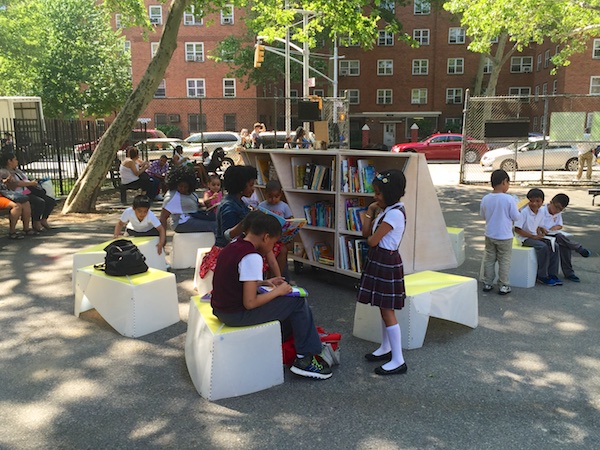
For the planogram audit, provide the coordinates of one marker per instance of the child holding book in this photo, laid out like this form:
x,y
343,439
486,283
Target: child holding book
x,y
236,302
382,281
529,232
213,196
140,221
552,225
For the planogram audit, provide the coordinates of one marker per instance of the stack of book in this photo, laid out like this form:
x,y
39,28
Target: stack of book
x,y
353,253
357,175
356,209
323,253
320,214
308,175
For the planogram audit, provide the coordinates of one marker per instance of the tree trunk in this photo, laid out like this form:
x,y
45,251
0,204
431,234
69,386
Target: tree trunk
x,y
479,76
498,60
83,196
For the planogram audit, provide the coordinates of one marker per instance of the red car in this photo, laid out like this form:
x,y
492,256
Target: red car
x,y
445,146
84,151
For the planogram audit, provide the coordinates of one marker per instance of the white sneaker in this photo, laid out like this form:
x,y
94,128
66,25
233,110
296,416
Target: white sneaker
x,y
504,290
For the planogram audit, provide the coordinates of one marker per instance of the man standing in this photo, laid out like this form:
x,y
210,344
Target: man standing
x,y
586,156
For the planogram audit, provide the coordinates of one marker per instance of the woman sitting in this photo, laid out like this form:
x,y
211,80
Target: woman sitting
x,y
41,204
182,205
133,173
17,205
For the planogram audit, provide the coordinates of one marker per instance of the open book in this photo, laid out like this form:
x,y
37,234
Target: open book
x,y
296,291
289,227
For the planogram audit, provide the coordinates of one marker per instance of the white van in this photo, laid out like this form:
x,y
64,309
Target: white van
x,y
214,140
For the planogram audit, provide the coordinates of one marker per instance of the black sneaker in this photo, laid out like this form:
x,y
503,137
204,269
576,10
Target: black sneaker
x,y
585,252
311,367
487,287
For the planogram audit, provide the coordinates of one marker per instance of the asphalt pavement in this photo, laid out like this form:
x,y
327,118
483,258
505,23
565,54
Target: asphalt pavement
x,y
528,377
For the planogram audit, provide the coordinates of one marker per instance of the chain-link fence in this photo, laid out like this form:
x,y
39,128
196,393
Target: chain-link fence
x,y
536,139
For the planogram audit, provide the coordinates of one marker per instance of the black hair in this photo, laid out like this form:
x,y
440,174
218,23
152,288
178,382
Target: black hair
x,y
273,186
498,176
561,199
535,193
5,158
259,223
177,148
214,176
182,174
392,184
236,178
163,156
141,201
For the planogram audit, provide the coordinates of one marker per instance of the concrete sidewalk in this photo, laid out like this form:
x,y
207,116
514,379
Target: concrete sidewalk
x,y
527,378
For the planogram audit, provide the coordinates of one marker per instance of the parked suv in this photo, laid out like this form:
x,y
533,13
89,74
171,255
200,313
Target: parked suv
x,y
215,140
83,152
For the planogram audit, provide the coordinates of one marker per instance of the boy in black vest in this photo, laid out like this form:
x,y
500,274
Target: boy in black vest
x,y
236,303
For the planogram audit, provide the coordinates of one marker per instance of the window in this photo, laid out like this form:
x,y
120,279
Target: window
x,y
418,96
161,119
519,91
228,87
596,51
537,92
348,42
194,51
390,5
421,35
195,124
595,85
456,35
161,91
535,123
195,87
453,124
319,92
385,67
127,46
119,21
353,96
487,66
545,89
155,13
557,50
294,93
494,40
420,66
191,17
456,66
554,87
350,68
384,96
227,15
454,95
385,38
521,64
546,58
422,7
539,62
153,48
229,122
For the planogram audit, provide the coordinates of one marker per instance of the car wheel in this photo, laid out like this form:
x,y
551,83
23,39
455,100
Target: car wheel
x,y
471,156
509,165
85,156
226,164
410,150
572,164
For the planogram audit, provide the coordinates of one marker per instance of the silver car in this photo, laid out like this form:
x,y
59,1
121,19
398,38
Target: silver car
x,y
531,156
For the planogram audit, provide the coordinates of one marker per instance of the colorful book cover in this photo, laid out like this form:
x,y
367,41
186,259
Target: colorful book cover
x,y
369,176
296,291
289,227
345,180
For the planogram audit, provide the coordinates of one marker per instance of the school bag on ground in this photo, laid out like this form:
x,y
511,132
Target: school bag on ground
x,y
122,258
330,352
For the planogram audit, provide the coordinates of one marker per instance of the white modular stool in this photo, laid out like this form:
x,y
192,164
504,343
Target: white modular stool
x,y
523,266
200,283
227,361
429,294
133,305
95,254
185,246
457,238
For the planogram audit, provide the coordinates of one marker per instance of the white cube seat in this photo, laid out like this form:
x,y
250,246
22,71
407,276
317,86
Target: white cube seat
x,y
523,266
429,294
457,238
133,305
226,362
185,247
95,254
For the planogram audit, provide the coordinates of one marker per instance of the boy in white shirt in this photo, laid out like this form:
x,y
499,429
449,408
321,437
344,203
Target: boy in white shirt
x,y
552,224
140,221
529,231
499,211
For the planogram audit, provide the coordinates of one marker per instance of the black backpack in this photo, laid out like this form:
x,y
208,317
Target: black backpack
x,y
123,258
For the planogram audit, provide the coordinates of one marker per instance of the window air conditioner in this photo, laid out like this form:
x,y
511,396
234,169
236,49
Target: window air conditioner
x,y
199,59
227,20
526,70
155,20
174,118
343,72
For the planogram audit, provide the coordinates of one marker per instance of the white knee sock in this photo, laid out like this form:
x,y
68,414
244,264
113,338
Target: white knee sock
x,y
385,341
395,339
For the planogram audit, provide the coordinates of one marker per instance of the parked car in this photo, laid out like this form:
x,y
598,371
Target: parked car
x,y
214,140
83,152
444,146
154,148
269,139
530,156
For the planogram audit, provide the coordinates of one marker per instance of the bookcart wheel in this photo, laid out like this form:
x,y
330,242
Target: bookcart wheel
x,y
298,267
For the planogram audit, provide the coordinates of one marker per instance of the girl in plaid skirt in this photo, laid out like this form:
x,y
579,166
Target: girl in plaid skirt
x,y
382,281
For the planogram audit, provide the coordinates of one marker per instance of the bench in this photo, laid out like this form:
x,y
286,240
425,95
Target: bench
x,y
593,193
429,294
185,248
115,177
457,238
523,266
133,305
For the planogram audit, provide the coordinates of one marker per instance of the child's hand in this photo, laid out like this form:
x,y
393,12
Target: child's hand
x,y
283,289
276,281
159,248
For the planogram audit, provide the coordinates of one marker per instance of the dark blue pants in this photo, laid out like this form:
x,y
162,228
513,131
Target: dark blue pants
x,y
547,259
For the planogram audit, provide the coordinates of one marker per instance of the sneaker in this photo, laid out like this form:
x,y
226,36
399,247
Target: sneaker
x,y
547,281
504,290
311,367
487,287
557,281
573,278
585,252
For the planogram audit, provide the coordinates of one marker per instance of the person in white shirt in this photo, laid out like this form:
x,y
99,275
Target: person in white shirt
x,y
585,152
140,221
499,210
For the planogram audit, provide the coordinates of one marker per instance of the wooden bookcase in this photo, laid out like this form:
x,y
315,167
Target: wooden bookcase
x,y
425,245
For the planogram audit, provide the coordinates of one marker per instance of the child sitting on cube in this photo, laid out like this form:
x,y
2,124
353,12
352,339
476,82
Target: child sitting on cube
x,y
140,221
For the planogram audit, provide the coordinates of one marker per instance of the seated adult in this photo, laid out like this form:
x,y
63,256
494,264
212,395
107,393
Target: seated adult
x,y
158,170
41,204
17,210
133,173
182,205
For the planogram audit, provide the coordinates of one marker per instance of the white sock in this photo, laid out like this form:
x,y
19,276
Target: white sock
x,y
385,341
395,339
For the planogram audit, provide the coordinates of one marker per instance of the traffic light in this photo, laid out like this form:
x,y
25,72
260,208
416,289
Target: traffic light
x,y
259,55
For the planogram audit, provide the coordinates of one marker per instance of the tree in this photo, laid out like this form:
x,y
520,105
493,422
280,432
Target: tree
x,y
518,23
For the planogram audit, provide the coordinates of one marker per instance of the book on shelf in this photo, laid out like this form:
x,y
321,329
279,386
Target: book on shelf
x,y
322,251
289,227
357,175
345,185
299,170
262,169
296,291
361,248
320,214
355,210
353,253
308,176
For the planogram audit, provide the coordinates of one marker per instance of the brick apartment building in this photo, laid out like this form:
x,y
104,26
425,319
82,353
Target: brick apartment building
x,y
389,88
